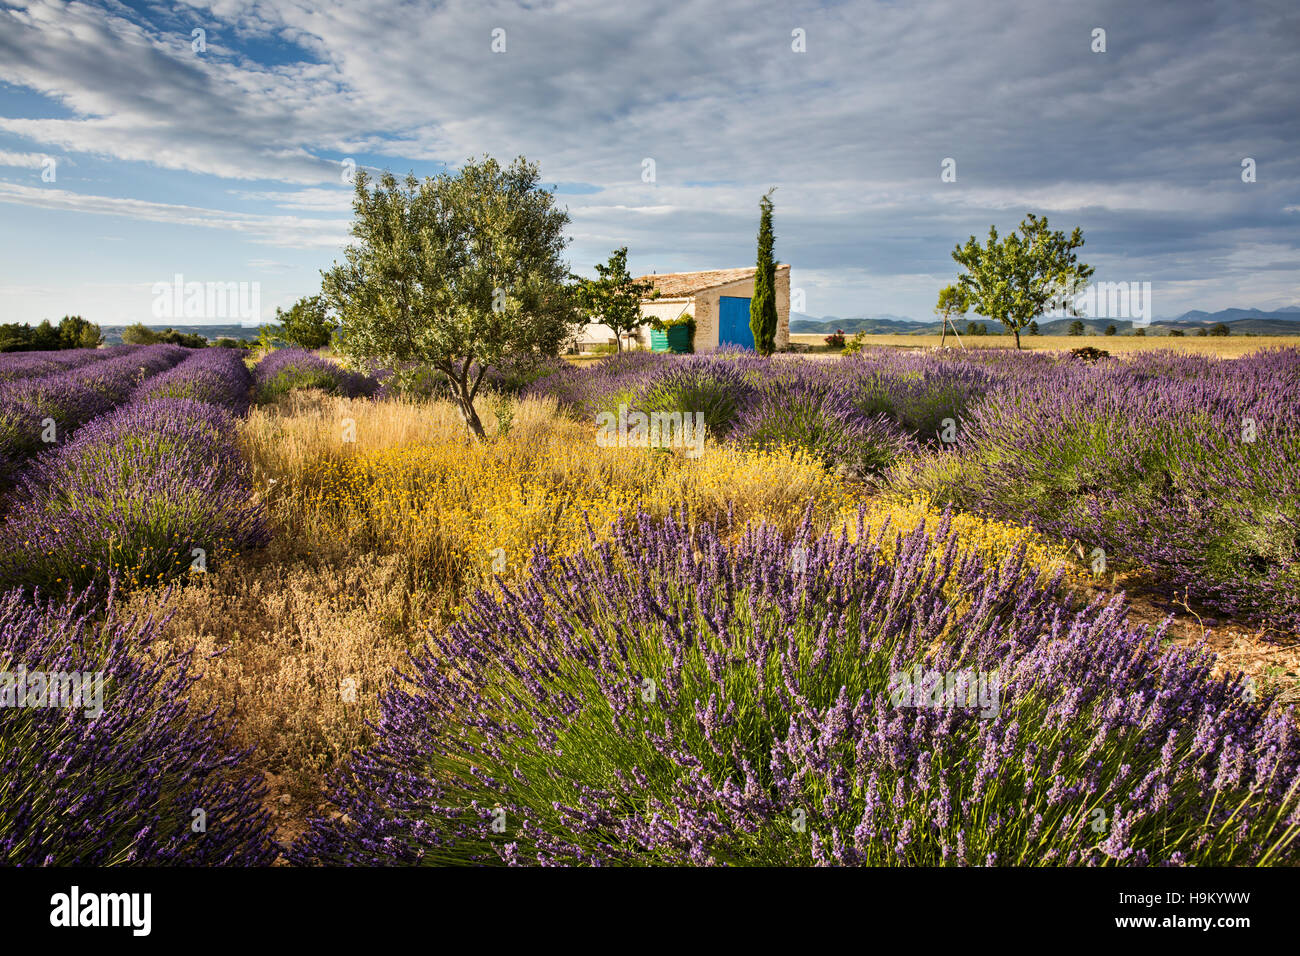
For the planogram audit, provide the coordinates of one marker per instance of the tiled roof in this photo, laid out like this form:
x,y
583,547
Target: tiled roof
x,y
673,285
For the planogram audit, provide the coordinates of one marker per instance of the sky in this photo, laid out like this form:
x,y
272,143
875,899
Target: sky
x,y
213,139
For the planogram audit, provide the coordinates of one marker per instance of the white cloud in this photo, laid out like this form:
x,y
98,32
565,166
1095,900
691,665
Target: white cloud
x,y
23,160
291,231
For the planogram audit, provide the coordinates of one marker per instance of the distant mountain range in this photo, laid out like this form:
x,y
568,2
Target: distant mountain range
x,y
1284,321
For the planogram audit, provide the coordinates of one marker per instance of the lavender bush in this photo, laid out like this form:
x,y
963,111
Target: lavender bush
x,y
148,781
55,405
808,408
1180,466
20,365
285,370
716,386
215,376
668,701
148,492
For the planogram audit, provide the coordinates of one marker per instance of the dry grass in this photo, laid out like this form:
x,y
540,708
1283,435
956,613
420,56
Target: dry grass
x,y
1232,346
411,483
298,652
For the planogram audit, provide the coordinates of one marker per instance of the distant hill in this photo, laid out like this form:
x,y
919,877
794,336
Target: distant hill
x,y
113,333
1284,321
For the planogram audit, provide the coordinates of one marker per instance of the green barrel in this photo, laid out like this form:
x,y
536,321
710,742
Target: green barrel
x,y
678,339
658,341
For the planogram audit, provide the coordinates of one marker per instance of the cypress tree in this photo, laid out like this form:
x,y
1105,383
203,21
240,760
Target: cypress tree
x,y
762,307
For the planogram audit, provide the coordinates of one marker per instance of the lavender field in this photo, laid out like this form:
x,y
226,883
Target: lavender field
x,y
902,608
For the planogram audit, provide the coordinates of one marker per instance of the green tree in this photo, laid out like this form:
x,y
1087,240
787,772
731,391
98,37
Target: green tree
x,y
1140,331
952,302
77,333
1176,333
762,307
613,298
307,324
1033,328
1076,328
1110,329
140,334
1202,332
45,337
1219,328
269,336
456,273
1014,280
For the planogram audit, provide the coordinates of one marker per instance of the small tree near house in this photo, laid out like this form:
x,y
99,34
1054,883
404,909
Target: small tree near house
x,y
762,307
613,298
456,273
1014,280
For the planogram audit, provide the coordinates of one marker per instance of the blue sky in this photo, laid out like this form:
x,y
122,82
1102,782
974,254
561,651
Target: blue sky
x,y
225,164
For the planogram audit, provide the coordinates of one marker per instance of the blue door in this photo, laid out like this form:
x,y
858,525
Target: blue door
x,y
733,322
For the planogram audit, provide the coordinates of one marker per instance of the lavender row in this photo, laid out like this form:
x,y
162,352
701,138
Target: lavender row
x,y
1178,466
151,491
671,701
21,365
1183,468
215,376
104,761
285,370
38,412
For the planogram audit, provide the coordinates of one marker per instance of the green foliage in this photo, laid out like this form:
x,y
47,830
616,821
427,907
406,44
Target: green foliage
x,y
1220,329
762,307
613,298
307,324
1140,331
1014,280
72,332
269,336
1076,328
1111,329
1033,328
139,334
854,345
459,272
78,333
1176,333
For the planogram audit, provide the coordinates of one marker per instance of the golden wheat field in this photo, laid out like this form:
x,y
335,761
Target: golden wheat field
x,y
1221,346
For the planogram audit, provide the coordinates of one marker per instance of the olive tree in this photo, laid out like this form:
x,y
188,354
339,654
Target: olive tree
x,y
456,273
